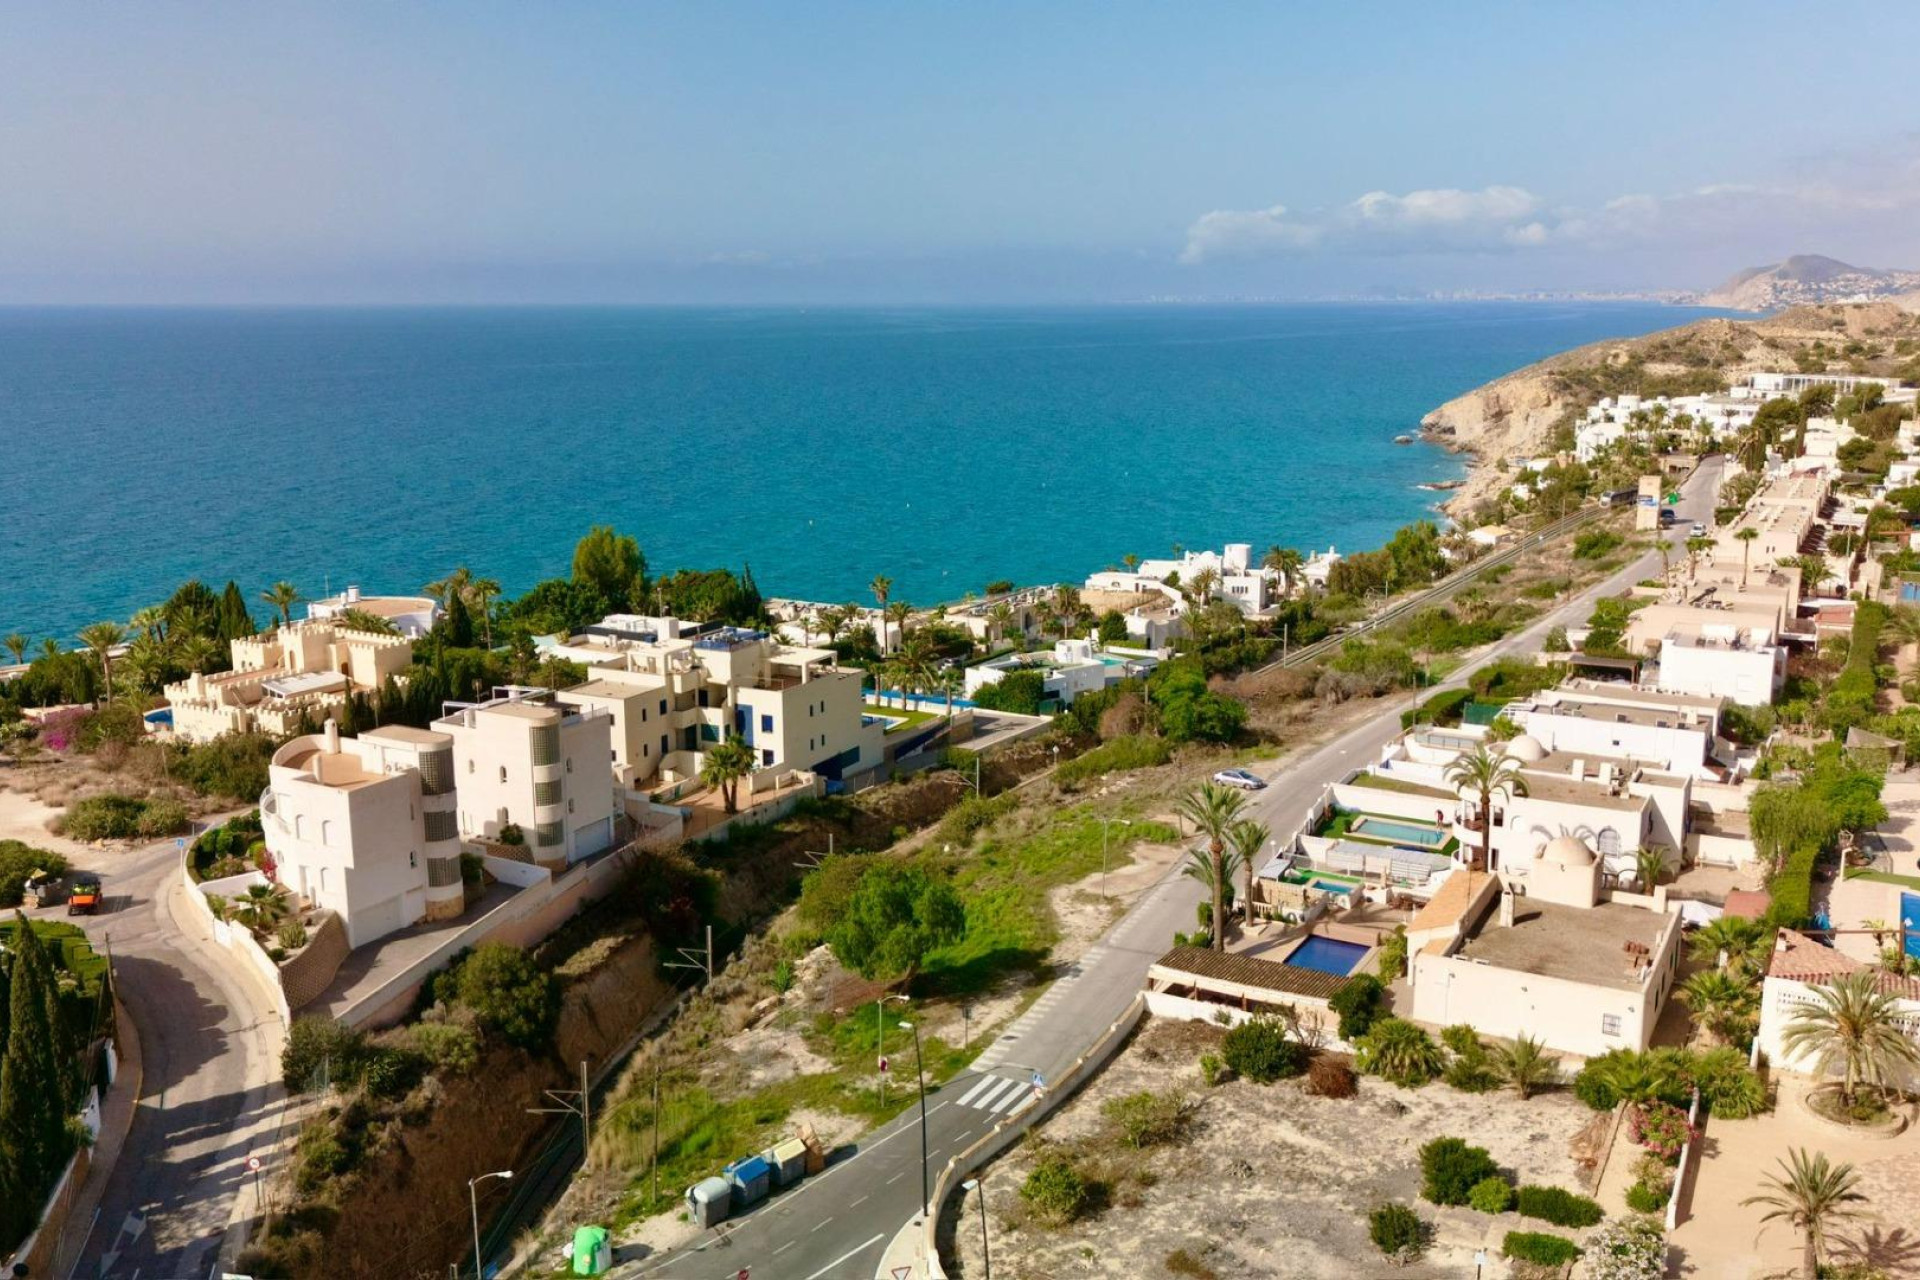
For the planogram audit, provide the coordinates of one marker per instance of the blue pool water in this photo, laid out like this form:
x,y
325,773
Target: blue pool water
x,y
145,446
1404,832
1910,917
1326,955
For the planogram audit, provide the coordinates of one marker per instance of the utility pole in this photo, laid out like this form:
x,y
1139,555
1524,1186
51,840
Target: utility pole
x,y
584,1109
656,1130
691,958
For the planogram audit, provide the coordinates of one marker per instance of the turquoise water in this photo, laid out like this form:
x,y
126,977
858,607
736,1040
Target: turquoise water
x,y
943,448
1910,919
1405,832
1326,955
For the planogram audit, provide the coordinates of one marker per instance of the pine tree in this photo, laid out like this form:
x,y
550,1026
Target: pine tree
x,y
33,1113
458,623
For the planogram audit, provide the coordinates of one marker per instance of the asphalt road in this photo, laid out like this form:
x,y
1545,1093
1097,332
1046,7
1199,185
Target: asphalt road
x,y
206,1049
837,1225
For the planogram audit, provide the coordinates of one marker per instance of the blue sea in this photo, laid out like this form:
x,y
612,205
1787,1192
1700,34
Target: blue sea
x,y
942,448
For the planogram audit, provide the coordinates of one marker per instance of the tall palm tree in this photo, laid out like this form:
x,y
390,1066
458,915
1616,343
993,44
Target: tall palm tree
x,y
101,639
1486,777
1745,538
1809,1195
1001,616
1248,839
150,621
1213,810
458,583
1852,1022
1217,875
724,766
882,588
1132,562
283,595
16,644
895,616
1722,1002
483,591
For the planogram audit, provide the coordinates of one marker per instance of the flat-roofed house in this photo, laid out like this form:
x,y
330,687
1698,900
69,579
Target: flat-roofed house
x,y
523,759
284,678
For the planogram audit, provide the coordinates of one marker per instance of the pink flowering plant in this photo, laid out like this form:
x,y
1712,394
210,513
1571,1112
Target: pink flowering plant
x,y
60,730
1661,1128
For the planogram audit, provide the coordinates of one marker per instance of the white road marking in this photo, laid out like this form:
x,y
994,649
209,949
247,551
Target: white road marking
x,y
895,1178
1000,1086
783,1248
816,1226
1011,1098
858,1249
986,1082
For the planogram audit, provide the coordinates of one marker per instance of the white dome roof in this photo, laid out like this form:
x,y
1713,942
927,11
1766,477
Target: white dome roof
x,y
1527,749
1567,851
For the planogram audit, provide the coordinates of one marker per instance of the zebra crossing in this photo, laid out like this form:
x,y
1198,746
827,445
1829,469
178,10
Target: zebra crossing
x,y
997,1095
1006,1046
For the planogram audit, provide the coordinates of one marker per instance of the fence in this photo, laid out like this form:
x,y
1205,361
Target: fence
x,y
1686,1164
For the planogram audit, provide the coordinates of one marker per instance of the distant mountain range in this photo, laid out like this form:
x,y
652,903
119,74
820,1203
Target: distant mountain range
x,y
1811,278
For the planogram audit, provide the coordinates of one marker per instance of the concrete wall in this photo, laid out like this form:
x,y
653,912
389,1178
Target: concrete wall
x,y
1782,998
249,958
1395,804
305,976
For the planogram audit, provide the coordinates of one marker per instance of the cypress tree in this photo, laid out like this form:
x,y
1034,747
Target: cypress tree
x,y
235,620
458,623
33,1112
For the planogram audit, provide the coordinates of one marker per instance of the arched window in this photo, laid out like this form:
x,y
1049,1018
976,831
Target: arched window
x,y
1608,842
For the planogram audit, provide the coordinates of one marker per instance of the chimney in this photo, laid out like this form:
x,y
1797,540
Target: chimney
x,y
353,594
1506,908
333,736
1578,769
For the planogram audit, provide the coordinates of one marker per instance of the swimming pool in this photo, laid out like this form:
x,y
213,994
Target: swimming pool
x,y
1326,955
1423,837
1910,917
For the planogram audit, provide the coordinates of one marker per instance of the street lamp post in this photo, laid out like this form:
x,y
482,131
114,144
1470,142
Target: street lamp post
x,y
473,1196
1105,825
880,1040
986,1254
920,1077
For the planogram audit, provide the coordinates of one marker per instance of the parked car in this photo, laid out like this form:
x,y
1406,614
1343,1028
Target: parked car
x,y
1240,778
84,898
1667,517
1698,530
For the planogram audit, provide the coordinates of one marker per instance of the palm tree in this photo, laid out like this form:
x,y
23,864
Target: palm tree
x,y
949,682
1745,537
724,766
1853,1022
832,620
1733,941
1213,810
1486,777
1132,562
16,644
483,591
260,908
1649,866
1808,1194
283,595
895,615
150,621
1248,838
1001,616
1722,1002
1527,1066
1903,625
1217,875
882,588
458,583
1286,561
102,638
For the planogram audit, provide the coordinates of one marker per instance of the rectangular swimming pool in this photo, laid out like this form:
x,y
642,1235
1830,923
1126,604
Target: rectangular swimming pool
x,y
1421,837
1326,955
1910,917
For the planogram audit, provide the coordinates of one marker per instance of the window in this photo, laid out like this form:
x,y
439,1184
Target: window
x,y
569,764
663,706
766,724
413,858
766,755
469,764
1609,1024
503,773
569,806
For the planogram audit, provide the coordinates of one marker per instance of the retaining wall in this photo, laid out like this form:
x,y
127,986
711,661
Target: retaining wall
x,y
250,958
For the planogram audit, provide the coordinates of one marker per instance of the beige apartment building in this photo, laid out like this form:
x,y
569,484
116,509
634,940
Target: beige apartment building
x,y
672,690
284,676
522,759
1782,515
1556,958
365,827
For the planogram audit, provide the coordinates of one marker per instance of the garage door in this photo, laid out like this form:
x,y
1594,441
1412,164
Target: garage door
x,y
592,838
376,921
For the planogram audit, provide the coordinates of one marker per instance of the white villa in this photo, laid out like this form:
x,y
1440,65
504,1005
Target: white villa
x,y
672,690
523,760
1237,578
1797,966
280,677
365,827
1074,667
411,616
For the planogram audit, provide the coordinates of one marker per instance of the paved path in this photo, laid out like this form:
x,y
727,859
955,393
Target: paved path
x,y
209,1046
838,1224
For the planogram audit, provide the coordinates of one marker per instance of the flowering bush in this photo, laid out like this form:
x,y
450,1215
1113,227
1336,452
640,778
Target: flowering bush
x,y
1661,1129
60,731
1627,1249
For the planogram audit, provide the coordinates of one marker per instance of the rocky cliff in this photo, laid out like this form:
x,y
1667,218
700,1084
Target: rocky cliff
x,y
1514,416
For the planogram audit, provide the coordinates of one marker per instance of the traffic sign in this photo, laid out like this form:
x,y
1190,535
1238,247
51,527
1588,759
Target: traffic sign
x,y
883,1066
1039,1081
253,1164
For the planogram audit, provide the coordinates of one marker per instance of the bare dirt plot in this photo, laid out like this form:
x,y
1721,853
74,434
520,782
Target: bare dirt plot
x,y
1270,1182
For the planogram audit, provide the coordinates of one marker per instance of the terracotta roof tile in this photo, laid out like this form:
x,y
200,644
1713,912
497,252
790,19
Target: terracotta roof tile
x,y
1798,958
1251,971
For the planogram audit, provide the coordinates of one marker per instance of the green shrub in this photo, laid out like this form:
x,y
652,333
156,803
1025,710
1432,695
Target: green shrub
x,y
1213,1071
291,935
1056,1191
392,1073
1134,751
1731,1089
1397,1050
1398,1232
1540,1248
1560,1207
1595,543
783,977
508,993
1260,1050
1444,707
1359,1005
446,1046
160,818
1149,1119
1393,955
233,766
1491,1195
1462,1039
1595,1089
322,1157
1642,1198
1450,1169
320,1052
18,862
107,817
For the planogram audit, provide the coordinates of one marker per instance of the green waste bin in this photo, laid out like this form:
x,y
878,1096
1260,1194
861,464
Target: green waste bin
x,y
592,1251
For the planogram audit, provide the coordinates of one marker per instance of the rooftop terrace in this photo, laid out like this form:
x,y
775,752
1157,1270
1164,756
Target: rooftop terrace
x,y
1577,944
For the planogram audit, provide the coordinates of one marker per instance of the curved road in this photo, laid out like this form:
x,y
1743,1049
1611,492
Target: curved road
x,y
837,1226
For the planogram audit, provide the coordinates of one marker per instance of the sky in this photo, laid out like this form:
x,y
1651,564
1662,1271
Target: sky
x,y
908,152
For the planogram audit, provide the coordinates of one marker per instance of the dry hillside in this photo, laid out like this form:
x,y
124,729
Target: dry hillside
x,y
1514,416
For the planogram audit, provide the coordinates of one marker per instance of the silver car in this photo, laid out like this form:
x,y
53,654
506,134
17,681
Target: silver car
x,y
1240,778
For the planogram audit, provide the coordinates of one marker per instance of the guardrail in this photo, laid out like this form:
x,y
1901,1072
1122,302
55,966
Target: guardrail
x,y
1005,1133
1442,589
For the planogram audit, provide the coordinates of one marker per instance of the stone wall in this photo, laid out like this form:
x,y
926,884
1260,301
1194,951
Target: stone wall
x,y
304,976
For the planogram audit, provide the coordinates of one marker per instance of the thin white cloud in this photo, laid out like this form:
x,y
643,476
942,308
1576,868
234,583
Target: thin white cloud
x,y
1817,200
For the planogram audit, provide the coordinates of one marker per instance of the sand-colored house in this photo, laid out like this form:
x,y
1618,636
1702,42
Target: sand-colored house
x,y
283,677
